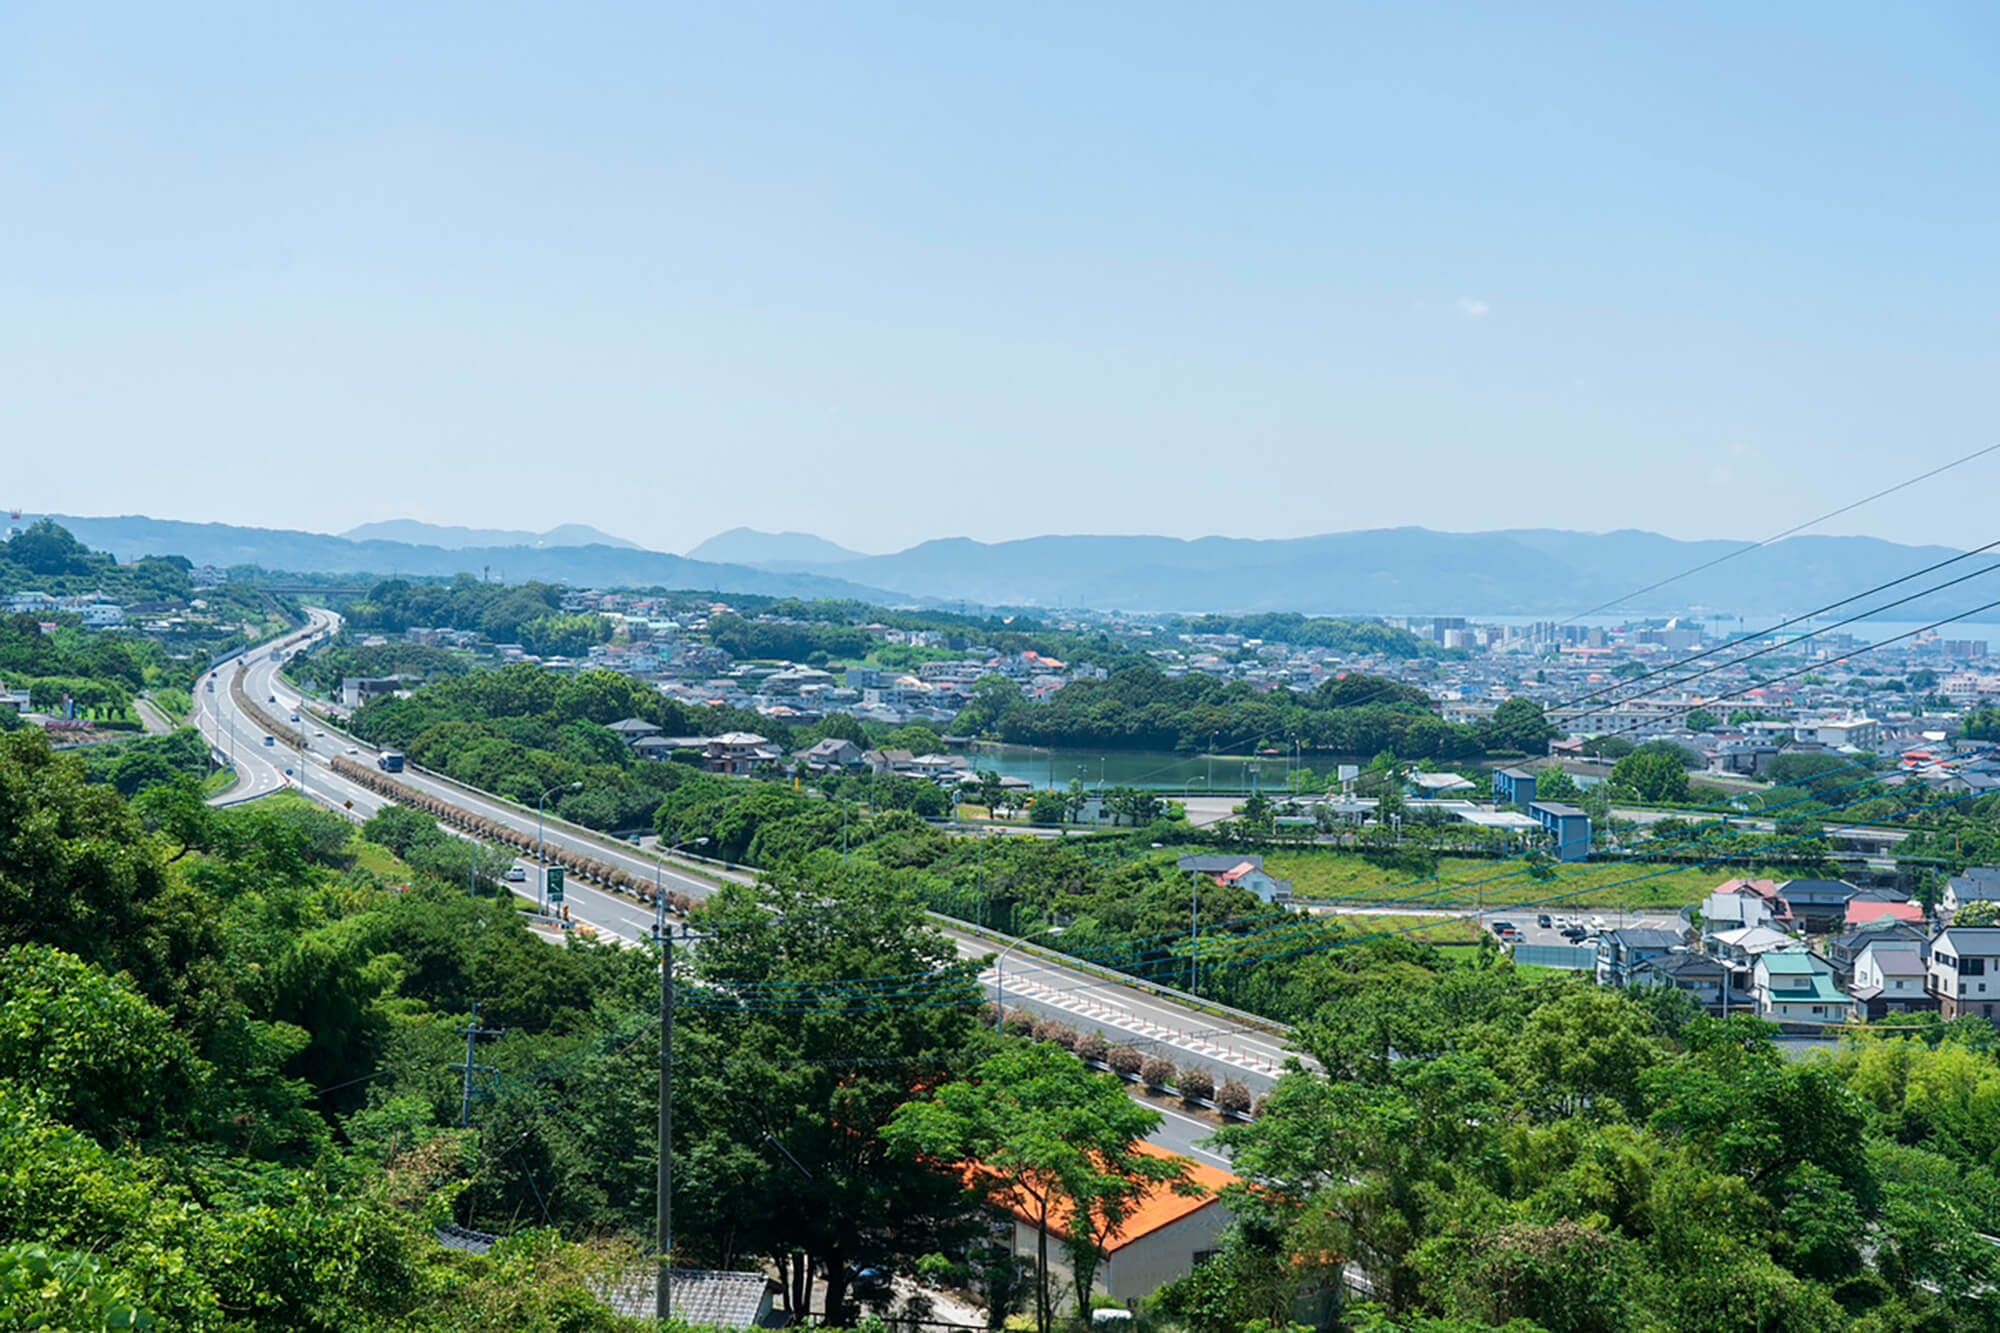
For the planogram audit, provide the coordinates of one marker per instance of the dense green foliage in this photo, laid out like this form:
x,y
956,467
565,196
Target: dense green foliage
x,y
1487,1148
521,731
325,667
1141,708
1342,636
190,1022
44,556
496,610
1982,724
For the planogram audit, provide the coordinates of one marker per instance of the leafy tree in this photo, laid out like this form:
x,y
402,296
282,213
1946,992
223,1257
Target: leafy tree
x,y
1519,724
1555,784
1652,775
1053,1140
1977,914
1700,719
820,1070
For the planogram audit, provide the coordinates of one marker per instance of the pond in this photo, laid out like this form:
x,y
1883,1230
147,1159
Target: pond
x,y
1160,770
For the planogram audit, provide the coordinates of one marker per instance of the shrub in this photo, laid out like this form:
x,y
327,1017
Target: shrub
x,y
1061,1034
1233,1098
1196,1085
1019,1023
1092,1046
1157,1073
1124,1060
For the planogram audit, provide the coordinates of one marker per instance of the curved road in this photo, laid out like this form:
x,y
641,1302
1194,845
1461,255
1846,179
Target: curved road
x,y
1085,999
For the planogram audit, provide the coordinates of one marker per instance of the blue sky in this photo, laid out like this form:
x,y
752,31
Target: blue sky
x,y
894,272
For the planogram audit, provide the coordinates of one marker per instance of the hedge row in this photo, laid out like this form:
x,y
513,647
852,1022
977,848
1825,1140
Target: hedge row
x,y
589,868
1193,1084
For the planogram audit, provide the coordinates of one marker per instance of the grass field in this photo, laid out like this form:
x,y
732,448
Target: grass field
x,y
1347,877
379,860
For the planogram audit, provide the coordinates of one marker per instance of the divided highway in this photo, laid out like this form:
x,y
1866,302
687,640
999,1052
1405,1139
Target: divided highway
x,y
1084,998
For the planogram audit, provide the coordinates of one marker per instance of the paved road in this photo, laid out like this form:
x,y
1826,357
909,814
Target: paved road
x,y
1084,999
151,718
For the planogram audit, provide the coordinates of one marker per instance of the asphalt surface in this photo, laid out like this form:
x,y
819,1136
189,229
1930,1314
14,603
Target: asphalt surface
x,y
1083,999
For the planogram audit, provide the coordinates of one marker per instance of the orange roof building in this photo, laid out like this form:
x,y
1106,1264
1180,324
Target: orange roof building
x,y
1162,1238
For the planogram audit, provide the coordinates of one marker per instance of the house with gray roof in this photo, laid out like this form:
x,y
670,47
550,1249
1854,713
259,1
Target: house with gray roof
x,y
1979,884
1619,951
1708,981
1892,977
1965,972
702,1298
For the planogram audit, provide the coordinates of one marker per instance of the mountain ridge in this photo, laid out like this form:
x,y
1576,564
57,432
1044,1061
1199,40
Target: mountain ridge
x,y
451,537
1548,572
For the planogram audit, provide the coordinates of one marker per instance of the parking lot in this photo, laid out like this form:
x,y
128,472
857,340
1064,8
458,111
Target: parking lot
x,y
1584,918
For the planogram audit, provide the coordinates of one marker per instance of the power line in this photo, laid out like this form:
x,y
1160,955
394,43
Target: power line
x,y
1780,536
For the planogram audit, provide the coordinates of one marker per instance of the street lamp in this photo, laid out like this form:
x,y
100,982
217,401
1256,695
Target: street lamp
x,y
999,986
541,848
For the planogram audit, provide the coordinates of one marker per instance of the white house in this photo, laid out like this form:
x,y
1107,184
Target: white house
x,y
1979,884
1890,978
1965,971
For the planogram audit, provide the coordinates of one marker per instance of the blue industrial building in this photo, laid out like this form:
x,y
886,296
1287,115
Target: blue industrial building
x,y
1567,825
1514,786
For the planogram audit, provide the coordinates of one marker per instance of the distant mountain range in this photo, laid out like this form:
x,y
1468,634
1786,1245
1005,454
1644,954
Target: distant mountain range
x,y
599,566
1412,571
1409,571
414,533
772,550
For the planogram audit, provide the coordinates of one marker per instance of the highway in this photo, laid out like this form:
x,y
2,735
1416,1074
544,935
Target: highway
x,y
1084,999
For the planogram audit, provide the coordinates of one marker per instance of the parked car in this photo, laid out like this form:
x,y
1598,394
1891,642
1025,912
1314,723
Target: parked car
x,y
1543,921
1504,928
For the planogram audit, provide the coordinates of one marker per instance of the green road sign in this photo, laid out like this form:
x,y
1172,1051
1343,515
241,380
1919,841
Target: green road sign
x,y
555,883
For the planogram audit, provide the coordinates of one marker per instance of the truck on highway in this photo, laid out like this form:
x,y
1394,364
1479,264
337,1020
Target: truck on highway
x,y
390,761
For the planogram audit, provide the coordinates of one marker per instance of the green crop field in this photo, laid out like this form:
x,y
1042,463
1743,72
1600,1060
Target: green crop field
x,y
1459,883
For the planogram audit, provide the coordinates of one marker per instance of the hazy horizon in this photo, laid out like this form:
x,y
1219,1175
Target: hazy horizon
x,y
890,273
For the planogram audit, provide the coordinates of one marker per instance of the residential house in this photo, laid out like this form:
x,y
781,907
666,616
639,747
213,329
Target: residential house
x,y
1797,986
1844,950
1817,905
1862,912
1619,951
632,729
1702,977
1965,971
1244,872
1513,786
1723,911
1890,977
739,753
1765,891
830,755
358,690
1567,826
1742,948
1979,884
1162,1237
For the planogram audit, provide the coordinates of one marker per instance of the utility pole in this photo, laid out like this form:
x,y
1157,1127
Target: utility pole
x,y
1194,933
473,1032
663,1301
